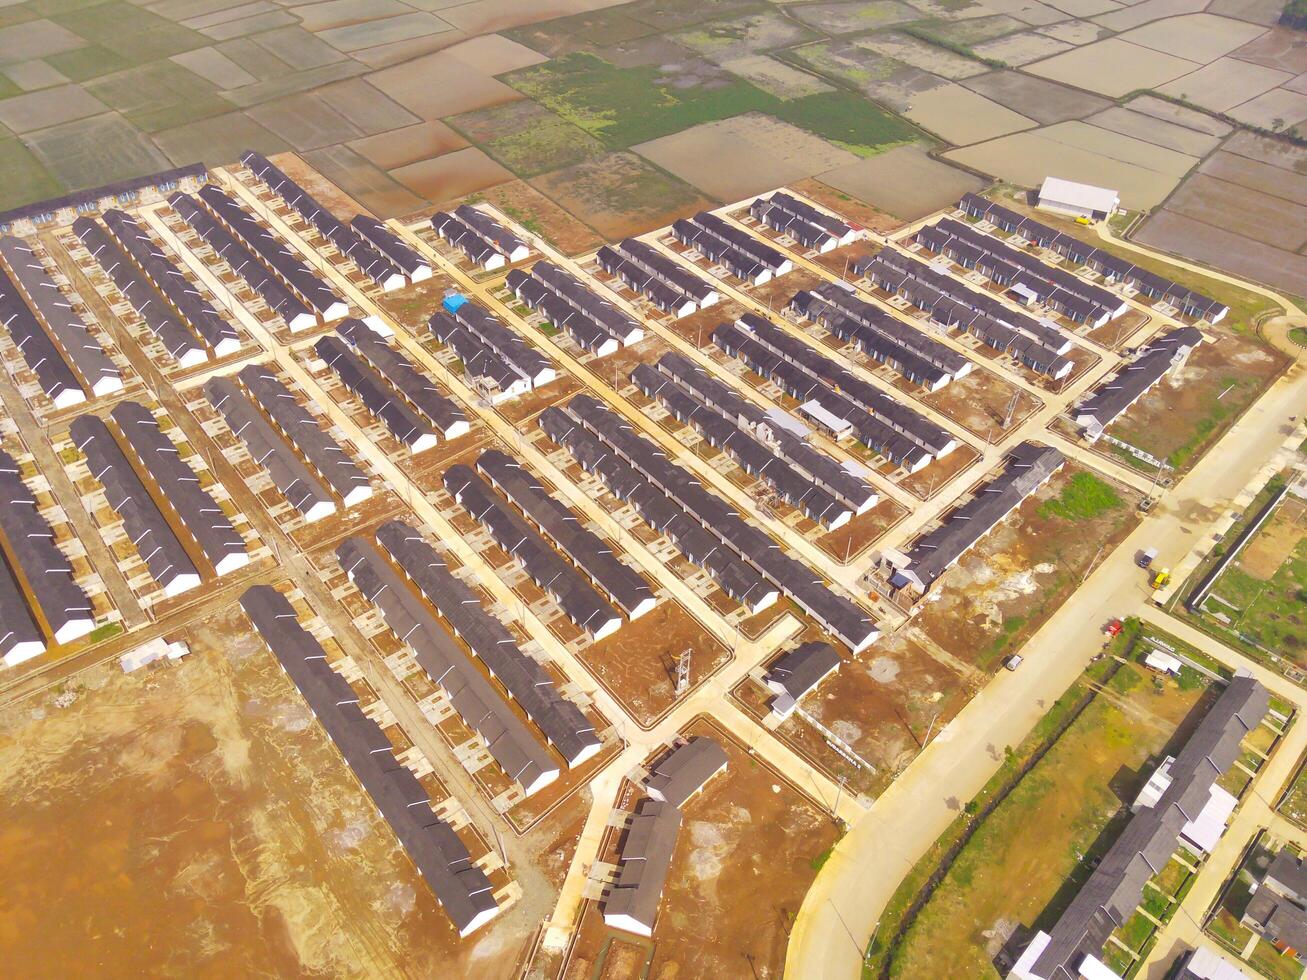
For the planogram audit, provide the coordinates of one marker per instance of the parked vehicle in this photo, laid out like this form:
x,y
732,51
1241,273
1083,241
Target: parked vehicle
x,y
1014,661
1146,559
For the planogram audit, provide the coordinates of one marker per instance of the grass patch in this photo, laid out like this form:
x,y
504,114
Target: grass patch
x,y
104,632
26,179
924,33
1298,335
1085,497
624,106
83,64
1270,962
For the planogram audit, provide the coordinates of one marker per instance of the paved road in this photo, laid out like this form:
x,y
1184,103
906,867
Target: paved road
x,y
844,905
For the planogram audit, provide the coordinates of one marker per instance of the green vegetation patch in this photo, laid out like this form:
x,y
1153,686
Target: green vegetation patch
x,y
1084,498
624,106
159,95
26,178
130,31
87,63
527,138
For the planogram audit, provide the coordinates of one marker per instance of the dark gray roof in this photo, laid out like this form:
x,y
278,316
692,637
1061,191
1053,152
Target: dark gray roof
x,y
473,697
489,229
1026,468
1112,266
301,488
1289,873
755,248
466,238
646,858
739,263
1114,395
684,771
243,262
279,257
293,421
376,396
882,422
800,670
578,599
415,388
739,581
19,637
836,613
559,720
374,265
598,311
405,258
1035,343
526,360
179,487
590,553
1109,897
147,528
30,543
462,889
189,302
53,374
666,270
476,356
1278,919
665,297
585,330
755,458
775,214
824,471
55,310
828,223
176,339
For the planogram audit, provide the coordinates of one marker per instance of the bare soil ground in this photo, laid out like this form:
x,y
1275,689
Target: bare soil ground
x,y
980,403
1273,545
1187,411
926,481
1001,591
541,216
227,837
848,205
849,542
744,858
637,664
413,306
881,704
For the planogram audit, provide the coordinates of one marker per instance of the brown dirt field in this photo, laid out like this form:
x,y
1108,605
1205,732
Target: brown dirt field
x,y
925,482
777,293
1001,591
1185,412
979,402
413,306
524,204
881,703
1276,541
454,175
741,867
846,205
637,664
849,542
327,193
1117,332
227,836
839,261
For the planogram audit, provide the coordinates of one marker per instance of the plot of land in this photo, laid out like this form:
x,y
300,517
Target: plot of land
x,y
1113,67
903,181
1267,177
1225,83
961,116
1201,37
1035,98
1007,876
452,175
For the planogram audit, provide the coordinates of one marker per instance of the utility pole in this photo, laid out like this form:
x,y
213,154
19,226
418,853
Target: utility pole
x,y
1011,409
683,672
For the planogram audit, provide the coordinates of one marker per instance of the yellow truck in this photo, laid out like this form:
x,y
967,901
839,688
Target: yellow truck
x,y
1161,578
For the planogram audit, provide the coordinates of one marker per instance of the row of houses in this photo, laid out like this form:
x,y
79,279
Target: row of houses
x,y
579,600
594,323
64,210
751,455
662,513
1025,469
320,452
497,359
284,282
460,886
485,241
39,600
1277,910
882,337
802,222
1022,273
1112,396
631,901
170,283
837,614
54,339
564,529
394,392
1112,268
1073,944
450,664
779,431
175,487
1038,344
668,285
833,397
744,255
797,673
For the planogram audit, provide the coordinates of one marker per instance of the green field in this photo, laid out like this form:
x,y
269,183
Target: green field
x,y
1084,498
625,106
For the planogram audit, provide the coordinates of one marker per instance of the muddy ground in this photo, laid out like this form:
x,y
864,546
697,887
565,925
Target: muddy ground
x,y
193,819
